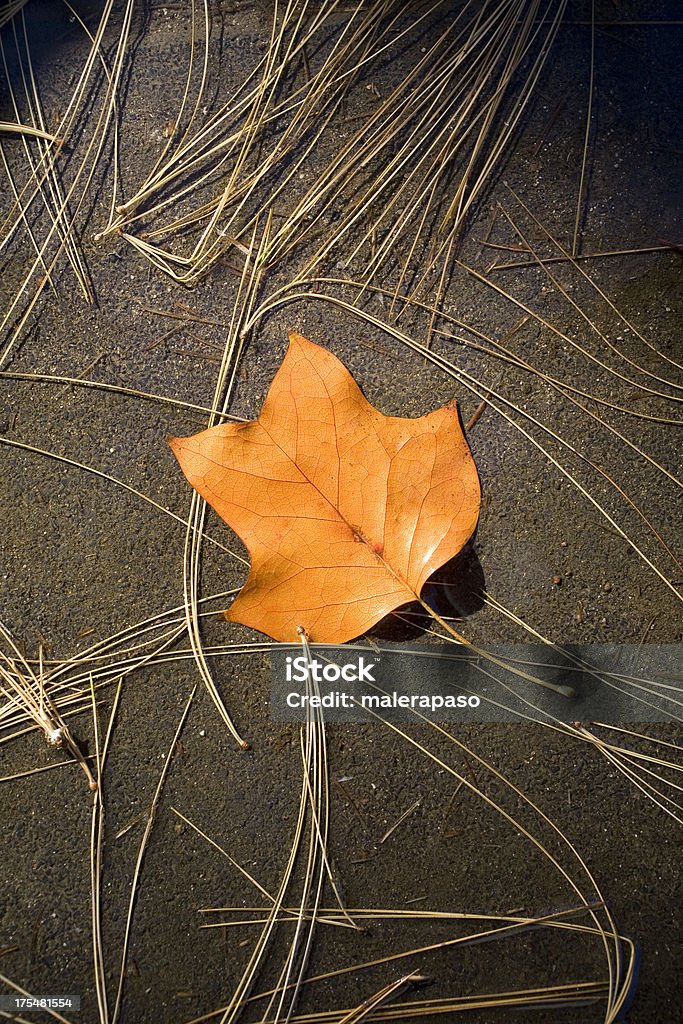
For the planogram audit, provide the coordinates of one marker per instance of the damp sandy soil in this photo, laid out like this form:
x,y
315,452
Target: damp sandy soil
x,y
82,558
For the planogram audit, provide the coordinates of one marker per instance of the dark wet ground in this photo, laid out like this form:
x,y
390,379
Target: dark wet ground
x,y
82,559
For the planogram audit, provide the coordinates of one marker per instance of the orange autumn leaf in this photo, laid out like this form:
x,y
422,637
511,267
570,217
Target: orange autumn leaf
x,y
346,512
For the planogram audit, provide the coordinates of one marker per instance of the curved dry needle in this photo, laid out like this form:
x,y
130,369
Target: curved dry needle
x,y
24,129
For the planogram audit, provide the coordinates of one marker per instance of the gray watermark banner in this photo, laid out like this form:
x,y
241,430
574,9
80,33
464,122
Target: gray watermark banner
x,y
608,683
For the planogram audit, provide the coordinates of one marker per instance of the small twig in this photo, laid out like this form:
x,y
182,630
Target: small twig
x,y
91,366
510,247
406,814
478,411
449,808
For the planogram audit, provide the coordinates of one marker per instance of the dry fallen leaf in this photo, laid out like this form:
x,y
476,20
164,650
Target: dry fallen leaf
x,y
346,512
